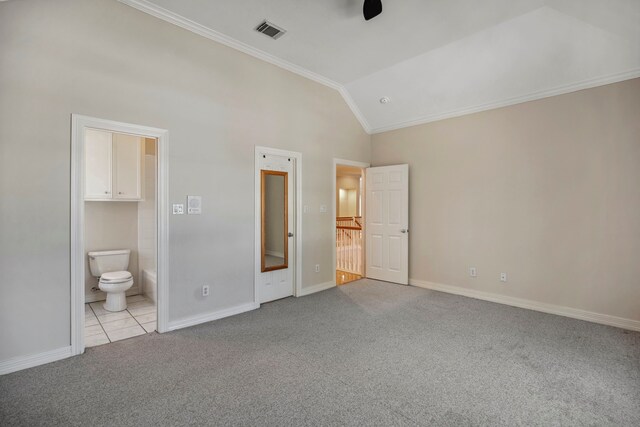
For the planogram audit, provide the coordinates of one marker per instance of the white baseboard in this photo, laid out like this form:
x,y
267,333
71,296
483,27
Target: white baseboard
x,y
23,362
316,288
589,316
208,317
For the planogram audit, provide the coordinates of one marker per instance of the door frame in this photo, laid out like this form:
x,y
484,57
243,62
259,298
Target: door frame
x,y
363,165
297,191
78,261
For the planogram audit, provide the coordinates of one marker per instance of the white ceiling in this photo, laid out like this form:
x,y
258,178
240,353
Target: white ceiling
x,y
433,58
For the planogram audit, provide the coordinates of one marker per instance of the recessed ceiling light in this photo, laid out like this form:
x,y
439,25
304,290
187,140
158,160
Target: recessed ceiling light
x,y
385,100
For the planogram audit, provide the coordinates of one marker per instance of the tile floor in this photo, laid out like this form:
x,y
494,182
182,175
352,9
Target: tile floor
x,y
102,326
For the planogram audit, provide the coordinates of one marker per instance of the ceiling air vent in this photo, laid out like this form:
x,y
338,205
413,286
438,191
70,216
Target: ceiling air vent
x,y
270,30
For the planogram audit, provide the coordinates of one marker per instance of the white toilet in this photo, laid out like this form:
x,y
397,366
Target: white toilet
x,y
115,280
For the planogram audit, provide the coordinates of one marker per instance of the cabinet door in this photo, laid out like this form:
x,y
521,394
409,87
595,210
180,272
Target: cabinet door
x,y
127,167
97,152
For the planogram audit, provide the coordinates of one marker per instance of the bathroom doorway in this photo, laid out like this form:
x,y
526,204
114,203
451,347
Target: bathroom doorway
x,y
118,232
349,207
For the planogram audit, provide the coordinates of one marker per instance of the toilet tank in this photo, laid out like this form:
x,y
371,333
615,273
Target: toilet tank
x,y
106,261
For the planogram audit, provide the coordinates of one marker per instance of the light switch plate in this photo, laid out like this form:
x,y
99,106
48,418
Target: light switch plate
x,y
178,209
194,205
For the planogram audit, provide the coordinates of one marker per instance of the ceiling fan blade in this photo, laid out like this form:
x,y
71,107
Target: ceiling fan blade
x,y
371,8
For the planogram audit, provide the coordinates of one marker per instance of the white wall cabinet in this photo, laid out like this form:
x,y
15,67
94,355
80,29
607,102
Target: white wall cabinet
x,y
98,149
113,166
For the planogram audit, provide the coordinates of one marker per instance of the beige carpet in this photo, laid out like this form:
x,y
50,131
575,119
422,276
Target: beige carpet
x,y
367,353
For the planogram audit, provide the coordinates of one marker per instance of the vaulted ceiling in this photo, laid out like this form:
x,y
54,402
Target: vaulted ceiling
x,y
433,59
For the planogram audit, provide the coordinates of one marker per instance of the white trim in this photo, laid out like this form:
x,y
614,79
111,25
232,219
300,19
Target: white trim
x,y
78,124
186,23
298,217
574,313
208,317
77,236
317,288
559,90
23,362
354,109
179,20
162,234
343,162
182,22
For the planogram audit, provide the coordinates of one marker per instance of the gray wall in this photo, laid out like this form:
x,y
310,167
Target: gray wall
x,y
104,59
547,191
348,182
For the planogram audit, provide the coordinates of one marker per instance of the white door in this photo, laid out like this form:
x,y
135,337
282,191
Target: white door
x,y
97,151
128,166
387,223
276,284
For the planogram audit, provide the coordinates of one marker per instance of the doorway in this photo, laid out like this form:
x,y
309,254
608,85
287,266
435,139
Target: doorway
x,y
119,231
349,207
278,224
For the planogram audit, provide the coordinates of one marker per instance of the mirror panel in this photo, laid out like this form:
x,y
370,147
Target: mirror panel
x,y
275,228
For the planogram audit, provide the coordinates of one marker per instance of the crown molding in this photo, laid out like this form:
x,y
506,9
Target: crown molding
x,y
558,90
179,20
354,109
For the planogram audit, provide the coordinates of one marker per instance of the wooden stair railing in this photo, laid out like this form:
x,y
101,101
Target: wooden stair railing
x,y
349,244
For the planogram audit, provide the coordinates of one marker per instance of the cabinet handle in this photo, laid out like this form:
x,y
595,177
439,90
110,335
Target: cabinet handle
x,y
120,192
106,192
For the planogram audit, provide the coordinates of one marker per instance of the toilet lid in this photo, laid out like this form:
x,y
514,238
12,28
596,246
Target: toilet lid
x,y
116,276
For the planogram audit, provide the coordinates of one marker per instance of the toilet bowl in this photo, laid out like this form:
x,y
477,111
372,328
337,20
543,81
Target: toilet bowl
x,y
110,267
115,284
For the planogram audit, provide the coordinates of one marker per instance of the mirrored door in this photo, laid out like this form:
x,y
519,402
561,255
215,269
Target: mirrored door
x,y
276,253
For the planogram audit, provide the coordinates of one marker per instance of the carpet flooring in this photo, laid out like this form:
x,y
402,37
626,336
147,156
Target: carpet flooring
x,y
367,353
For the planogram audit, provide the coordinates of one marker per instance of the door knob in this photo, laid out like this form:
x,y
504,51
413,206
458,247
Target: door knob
x,y
290,234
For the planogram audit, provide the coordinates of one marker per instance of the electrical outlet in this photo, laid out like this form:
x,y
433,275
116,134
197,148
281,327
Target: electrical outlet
x,y
473,272
317,268
503,277
205,291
